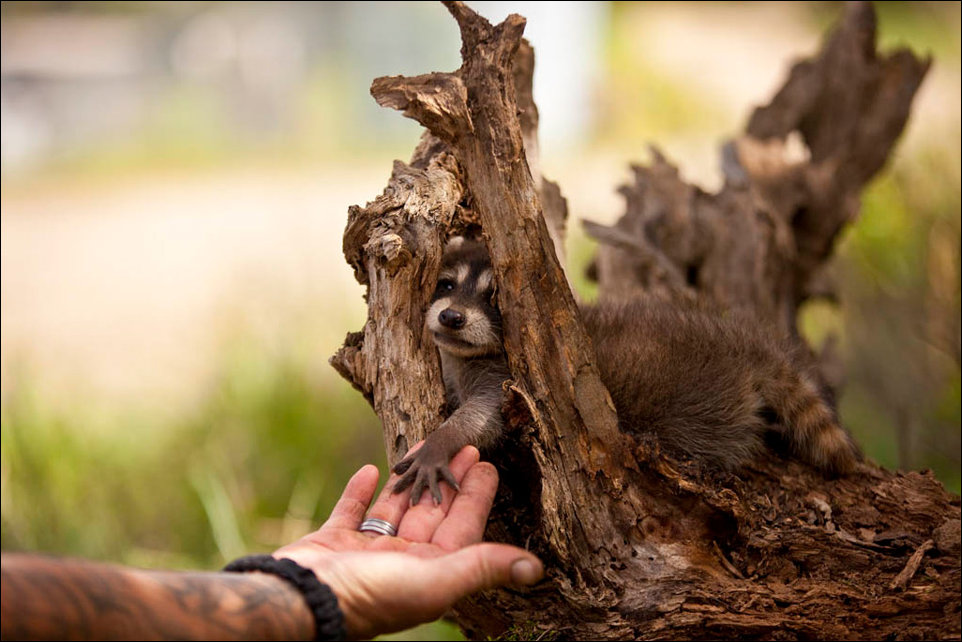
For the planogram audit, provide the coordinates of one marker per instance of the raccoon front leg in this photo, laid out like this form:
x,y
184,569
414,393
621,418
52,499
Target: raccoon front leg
x,y
477,422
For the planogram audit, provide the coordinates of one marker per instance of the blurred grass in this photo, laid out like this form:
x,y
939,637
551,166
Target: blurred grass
x,y
642,98
898,273
263,458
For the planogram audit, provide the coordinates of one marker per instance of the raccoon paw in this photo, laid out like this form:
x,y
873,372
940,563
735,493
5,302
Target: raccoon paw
x,y
424,470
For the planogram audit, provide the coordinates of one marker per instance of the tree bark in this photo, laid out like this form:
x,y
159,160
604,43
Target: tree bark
x,y
638,545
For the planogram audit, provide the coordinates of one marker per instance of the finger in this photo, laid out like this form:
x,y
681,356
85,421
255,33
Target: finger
x,y
391,505
420,485
484,566
350,508
434,478
464,523
420,522
448,477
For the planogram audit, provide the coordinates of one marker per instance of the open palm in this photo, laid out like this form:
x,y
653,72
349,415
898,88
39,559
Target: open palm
x,y
386,583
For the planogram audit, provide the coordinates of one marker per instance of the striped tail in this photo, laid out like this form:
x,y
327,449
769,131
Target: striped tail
x,y
811,426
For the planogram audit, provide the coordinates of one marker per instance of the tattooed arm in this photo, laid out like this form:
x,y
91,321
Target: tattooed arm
x,y
382,583
63,599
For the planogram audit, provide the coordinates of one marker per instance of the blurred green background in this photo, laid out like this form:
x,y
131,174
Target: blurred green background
x,y
175,180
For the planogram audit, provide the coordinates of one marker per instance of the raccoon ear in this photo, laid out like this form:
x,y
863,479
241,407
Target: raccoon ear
x,y
454,243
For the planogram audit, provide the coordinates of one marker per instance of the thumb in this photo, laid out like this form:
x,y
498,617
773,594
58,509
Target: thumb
x,y
483,566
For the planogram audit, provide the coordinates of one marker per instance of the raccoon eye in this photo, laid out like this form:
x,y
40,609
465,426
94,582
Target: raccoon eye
x,y
445,285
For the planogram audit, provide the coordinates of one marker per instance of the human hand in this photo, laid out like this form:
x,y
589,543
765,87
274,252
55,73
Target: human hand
x,y
386,583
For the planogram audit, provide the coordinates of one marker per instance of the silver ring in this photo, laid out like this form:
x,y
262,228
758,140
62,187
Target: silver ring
x,y
379,526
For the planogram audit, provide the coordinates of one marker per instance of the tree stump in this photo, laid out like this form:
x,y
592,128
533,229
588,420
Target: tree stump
x,y
638,545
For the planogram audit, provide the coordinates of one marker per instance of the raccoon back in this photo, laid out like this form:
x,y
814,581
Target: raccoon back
x,y
710,385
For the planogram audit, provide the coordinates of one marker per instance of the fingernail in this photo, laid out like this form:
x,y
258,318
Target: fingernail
x,y
526,571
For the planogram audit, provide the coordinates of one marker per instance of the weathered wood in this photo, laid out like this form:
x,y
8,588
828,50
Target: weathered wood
x,y
637,545
551,358
793,182
394,245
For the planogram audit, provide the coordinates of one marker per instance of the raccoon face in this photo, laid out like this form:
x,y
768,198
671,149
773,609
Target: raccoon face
x,y
463,317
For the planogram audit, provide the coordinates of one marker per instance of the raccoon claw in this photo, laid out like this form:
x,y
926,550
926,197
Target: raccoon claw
x,y
422,472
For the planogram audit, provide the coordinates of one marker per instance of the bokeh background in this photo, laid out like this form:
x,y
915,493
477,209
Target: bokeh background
x,y
175,181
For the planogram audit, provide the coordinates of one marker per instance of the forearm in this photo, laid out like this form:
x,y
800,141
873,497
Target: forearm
x,y
477,422
46,598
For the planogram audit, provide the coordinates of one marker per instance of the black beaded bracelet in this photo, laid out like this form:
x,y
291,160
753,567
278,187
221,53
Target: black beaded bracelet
x,y
328,618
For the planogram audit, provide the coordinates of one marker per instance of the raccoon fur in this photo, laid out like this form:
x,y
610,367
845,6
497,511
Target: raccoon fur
x,y
709,385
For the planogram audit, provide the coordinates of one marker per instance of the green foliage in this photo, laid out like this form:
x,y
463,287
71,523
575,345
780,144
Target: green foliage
x,y
581,252
898,323
642,102
439,630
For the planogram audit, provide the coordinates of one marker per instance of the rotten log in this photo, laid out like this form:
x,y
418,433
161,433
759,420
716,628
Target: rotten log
x,y
637,545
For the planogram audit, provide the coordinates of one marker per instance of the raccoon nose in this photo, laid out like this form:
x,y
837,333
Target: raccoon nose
x,y
451,318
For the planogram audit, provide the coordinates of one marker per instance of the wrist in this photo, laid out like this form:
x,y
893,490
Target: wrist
x,y
329,572
287,597
316,598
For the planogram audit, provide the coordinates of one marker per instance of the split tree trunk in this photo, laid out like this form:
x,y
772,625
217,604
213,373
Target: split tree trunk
x,y
637,545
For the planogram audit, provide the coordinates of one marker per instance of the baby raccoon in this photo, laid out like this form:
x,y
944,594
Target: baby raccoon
x,y
710,386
